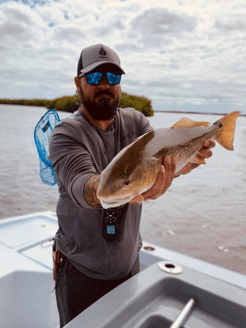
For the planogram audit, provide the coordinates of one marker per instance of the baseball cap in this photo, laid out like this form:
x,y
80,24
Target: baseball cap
x,y
95,56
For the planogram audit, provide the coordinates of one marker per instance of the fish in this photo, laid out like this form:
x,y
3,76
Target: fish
x,y
135,168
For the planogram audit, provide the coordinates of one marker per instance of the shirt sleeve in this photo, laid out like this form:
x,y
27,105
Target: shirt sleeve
x,y
71,161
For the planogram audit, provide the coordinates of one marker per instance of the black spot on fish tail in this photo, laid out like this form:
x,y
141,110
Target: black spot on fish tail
x,y
220,124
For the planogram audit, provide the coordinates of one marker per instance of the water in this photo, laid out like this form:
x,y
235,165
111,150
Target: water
x,y
201,215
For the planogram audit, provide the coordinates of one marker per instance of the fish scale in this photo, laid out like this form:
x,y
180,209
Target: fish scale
x,y
135,168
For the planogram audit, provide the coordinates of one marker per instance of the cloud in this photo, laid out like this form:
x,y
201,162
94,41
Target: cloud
x,y
155,25
52,16
108,25
65,32
232,23
185,53
20,24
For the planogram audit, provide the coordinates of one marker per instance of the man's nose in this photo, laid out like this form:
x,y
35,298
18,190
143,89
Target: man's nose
x,y
104,82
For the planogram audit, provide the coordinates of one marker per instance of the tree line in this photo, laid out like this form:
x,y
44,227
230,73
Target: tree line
x,y
71,103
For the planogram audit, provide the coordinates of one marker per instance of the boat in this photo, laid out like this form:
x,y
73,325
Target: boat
x,y
171,290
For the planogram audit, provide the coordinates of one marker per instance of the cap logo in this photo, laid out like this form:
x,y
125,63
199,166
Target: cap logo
x,y
102,52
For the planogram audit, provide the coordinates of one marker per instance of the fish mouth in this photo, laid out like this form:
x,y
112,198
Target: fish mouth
x,y
111,198
114,200
114,203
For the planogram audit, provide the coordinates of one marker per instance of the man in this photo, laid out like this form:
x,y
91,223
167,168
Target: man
x,y
89,264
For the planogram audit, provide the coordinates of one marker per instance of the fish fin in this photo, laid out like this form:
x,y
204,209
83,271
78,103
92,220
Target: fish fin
x,y
152,161
196,160
188,123
226,137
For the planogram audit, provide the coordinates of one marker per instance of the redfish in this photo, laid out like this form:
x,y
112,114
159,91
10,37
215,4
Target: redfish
x,y
135,168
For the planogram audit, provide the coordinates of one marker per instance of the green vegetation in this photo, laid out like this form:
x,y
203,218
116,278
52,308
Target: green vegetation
x,y
142,104
71,103
66,104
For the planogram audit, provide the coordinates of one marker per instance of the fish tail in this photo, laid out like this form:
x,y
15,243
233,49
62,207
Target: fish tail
x,y
226,136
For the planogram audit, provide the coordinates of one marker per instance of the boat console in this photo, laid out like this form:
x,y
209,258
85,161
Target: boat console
x,y
167,295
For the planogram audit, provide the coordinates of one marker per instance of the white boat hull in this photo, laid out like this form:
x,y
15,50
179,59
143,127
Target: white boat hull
x,y
153,298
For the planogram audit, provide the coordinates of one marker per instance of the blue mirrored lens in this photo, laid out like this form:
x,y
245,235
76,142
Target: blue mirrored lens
x,y
94,78
113,78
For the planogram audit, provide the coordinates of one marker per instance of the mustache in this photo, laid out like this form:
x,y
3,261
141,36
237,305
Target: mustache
x,y
104,92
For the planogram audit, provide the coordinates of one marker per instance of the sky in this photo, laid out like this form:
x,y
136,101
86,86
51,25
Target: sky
x,y
181,54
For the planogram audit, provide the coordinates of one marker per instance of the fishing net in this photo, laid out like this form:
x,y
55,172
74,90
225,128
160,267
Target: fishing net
x,y
42,133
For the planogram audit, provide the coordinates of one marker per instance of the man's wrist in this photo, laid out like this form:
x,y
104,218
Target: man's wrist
x,y
90,190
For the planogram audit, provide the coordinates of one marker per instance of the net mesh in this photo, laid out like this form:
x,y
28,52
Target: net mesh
x,y
42,133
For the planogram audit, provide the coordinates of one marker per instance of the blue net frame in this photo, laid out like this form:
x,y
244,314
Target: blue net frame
x,y
42,134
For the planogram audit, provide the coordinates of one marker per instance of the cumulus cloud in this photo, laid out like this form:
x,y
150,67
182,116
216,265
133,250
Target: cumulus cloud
x,y
65,32
52,17
158,25
20,24
231,23
161,21
188,53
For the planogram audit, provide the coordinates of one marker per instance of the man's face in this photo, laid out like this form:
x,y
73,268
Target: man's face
x,y
100,101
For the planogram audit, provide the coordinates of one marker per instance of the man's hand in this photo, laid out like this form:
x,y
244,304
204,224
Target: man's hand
x,y
203,153
162,183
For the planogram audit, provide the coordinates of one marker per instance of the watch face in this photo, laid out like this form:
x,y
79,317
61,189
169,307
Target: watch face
x,y
110,230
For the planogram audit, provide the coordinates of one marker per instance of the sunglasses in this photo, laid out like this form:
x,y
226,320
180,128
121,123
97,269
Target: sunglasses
x,y
95,78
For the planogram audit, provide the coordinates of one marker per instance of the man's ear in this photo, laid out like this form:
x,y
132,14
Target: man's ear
x,y
77,81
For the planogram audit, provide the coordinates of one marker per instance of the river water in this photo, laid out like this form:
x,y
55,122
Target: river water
x,y
202,214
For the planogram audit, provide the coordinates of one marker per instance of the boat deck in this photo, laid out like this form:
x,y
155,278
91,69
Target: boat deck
x,y
172,290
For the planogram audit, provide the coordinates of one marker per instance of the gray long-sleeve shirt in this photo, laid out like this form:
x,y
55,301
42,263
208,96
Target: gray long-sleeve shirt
x,y
77,151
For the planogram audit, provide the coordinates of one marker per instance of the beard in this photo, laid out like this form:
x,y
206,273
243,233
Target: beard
x,y
102,110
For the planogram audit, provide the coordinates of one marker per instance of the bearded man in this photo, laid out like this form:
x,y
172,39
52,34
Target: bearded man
x,y
90,263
